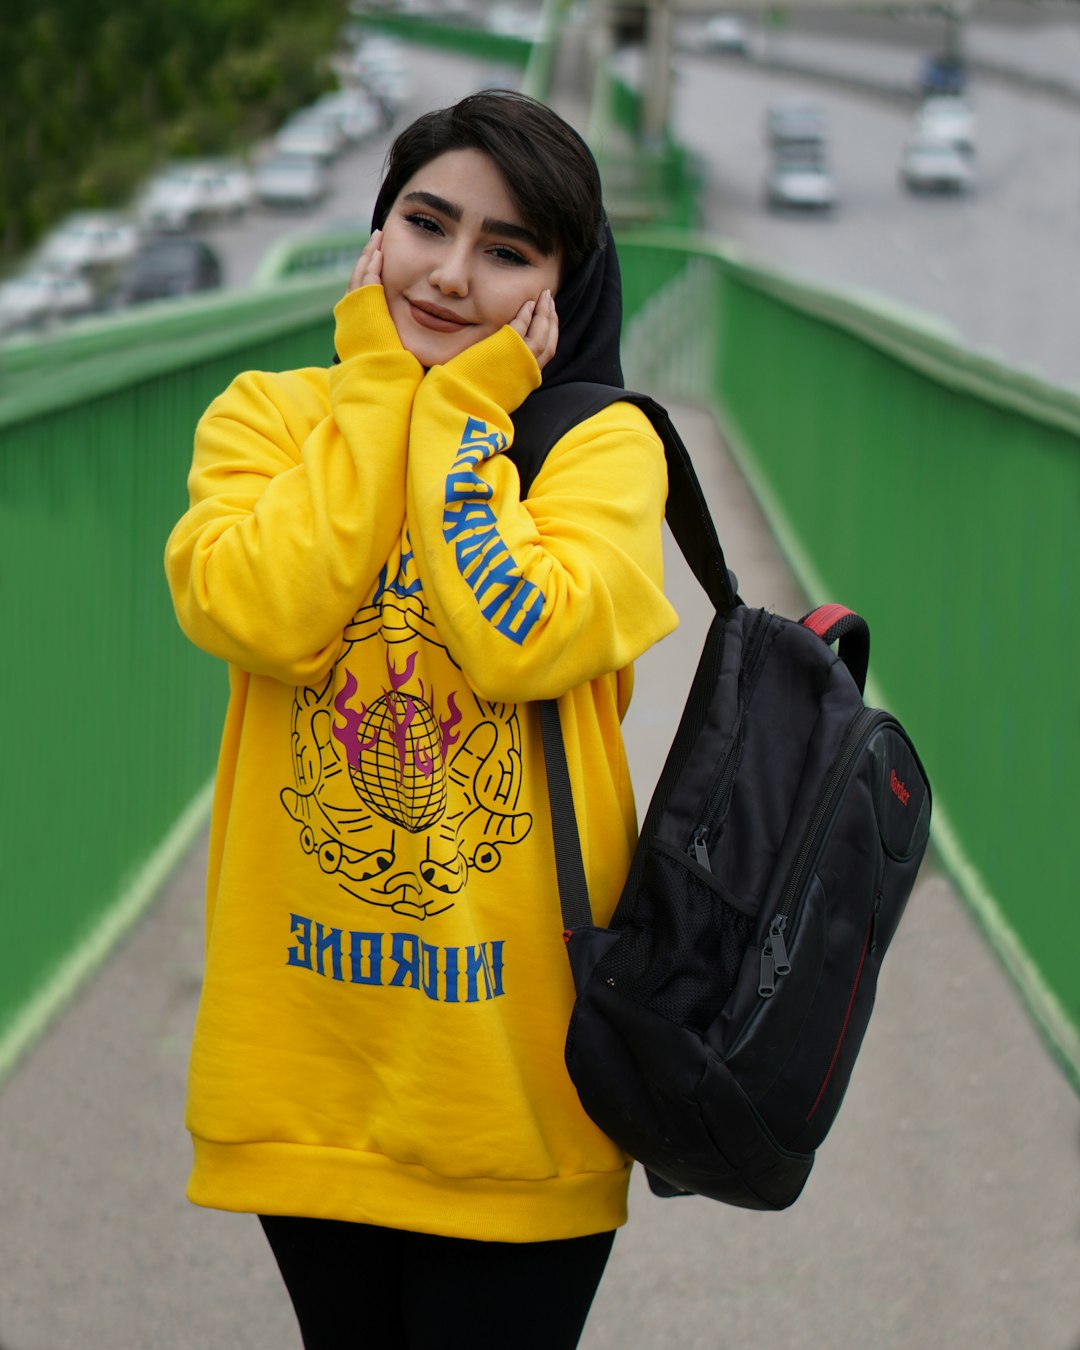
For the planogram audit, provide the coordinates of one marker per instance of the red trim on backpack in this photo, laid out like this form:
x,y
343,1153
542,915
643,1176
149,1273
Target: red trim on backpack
x,y
843,1029
823,618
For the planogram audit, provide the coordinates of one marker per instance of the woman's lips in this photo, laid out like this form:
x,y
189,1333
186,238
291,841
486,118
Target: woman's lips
x,y
440,321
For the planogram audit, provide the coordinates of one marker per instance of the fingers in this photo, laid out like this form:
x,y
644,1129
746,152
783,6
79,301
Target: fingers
x,y
521,320
537,322
368,269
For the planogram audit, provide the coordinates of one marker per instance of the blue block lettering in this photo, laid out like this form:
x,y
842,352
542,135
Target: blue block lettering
x,y
300,955
405,950
328,940
365,954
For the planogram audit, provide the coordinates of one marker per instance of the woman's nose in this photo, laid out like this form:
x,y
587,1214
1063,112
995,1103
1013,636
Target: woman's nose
x,y
451,272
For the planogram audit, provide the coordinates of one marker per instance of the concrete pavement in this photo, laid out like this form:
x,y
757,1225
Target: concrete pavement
x,y
943,1211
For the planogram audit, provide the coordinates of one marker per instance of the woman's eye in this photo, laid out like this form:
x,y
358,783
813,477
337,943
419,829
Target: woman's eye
x,y
507,254
423,222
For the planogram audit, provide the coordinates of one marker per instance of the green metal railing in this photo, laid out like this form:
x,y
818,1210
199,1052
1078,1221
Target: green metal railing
x,y
112,719
932,489
936,491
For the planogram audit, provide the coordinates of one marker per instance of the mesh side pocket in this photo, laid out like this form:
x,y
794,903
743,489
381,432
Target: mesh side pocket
x,y
681,953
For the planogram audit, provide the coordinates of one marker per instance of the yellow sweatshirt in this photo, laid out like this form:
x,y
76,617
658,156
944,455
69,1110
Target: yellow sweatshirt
x,y
386,995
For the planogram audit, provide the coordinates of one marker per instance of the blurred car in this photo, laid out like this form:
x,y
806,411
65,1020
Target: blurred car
x,y
727,33
164,267
929,164
186,193
796,122
800,183
948,119
942,74
312,133
89,241
38,298
380,64
358,112
291,180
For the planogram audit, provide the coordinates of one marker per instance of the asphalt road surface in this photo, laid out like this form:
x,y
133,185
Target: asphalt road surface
x,y
1000,265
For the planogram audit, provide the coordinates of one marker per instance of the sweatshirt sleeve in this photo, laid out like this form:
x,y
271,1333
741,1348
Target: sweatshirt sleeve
x,y
534,597
297,496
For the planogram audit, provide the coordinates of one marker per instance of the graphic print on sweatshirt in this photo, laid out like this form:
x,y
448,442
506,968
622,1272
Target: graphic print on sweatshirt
x,y
509,602
403,785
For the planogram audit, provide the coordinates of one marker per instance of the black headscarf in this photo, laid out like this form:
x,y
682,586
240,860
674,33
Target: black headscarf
x,y
589,306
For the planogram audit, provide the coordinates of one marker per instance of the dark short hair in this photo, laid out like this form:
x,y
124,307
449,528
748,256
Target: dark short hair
x,y
548,169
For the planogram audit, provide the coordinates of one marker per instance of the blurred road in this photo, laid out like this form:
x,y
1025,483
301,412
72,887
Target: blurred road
x,y
998,265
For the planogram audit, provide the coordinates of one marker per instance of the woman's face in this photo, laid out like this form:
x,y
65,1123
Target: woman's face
x,y
458,260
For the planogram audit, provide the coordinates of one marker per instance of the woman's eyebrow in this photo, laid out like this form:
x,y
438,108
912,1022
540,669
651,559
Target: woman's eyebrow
x,y
508,231
436,203
489,225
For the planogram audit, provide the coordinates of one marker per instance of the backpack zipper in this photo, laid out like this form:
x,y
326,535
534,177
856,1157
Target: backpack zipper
x,y
853,742
869,946
720,788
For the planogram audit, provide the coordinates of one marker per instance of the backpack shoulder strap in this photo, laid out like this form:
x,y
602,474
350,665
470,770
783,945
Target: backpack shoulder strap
x,y
542,420
548,414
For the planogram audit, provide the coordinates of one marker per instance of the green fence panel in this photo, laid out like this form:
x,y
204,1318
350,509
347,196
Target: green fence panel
x,y
953,523
938,493
934,490
112,718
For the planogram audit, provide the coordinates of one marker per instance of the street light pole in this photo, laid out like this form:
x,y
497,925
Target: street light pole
x,y
659,48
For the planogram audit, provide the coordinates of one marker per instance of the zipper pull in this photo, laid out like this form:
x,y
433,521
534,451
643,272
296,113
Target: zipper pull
x,y
766,983
699,846
778,946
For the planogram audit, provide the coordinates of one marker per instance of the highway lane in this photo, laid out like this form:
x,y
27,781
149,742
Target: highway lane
x,y
999,265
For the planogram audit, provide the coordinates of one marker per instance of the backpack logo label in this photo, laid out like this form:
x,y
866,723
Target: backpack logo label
x,y
899,788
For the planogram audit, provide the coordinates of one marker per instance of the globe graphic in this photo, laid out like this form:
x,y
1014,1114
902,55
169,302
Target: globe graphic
x,y
408,785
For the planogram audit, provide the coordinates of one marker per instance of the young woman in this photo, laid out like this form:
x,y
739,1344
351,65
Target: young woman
x,y
377,1068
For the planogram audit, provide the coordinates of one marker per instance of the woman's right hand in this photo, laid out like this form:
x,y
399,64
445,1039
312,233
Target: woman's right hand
x,y
368,269
537,323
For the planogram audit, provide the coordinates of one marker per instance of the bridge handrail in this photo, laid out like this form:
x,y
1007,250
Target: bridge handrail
x,y
932,487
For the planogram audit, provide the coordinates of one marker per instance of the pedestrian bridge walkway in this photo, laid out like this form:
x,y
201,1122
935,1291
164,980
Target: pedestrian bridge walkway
x,y
932,489
942,1211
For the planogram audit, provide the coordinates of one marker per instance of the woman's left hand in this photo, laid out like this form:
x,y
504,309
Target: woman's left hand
x,y
368,269
537,322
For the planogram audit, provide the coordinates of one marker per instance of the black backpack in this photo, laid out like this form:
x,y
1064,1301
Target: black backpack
x,y
718,1018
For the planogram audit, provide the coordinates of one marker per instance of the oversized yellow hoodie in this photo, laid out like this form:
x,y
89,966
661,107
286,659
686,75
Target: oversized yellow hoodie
x,y
381,1028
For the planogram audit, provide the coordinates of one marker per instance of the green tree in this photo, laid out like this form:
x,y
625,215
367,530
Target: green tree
x,y
95,96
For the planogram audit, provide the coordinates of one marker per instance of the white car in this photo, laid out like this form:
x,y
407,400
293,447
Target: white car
x,y
800,184
357,112
727,33
315,134
380,64
89,241
796,124
291,180
948,119
37,299
189,192
929,164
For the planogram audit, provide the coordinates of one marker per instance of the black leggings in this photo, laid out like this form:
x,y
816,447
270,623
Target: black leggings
x,y
358,1287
